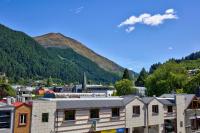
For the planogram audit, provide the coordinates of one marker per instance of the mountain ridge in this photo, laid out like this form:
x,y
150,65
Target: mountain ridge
x,y
61,41
23,58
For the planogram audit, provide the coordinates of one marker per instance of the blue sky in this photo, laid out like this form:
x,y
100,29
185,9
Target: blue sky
x,y
158,29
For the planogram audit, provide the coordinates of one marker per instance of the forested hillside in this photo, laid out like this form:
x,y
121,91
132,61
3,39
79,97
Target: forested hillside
x,y
60,41
21,58
175,75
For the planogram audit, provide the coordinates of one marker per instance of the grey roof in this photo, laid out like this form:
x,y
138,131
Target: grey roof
x,y
95,102
167,101
2,104
129,98
5,105
147,99
188,99
167,96
22,89
72,104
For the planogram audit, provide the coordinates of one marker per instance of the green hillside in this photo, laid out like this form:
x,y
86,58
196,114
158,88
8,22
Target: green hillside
x,y
175,75
21,57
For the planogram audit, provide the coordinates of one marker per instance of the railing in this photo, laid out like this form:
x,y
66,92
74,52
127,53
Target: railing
x,y
169,114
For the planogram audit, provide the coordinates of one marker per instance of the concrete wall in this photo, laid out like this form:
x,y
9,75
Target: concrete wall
x,y
135,121
156,120
39,107
83,123
180,108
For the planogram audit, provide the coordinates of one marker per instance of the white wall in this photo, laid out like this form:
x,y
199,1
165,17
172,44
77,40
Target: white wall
x,y
135,121
39,107
180,108
156,119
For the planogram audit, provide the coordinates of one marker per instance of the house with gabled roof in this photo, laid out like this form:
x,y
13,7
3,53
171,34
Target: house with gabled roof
x,y
22,117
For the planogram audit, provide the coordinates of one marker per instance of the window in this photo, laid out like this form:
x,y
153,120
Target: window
x,y
169,109
69,115
5,119
94,113
155,109
115,112
22,119
45,117
181,123
136,110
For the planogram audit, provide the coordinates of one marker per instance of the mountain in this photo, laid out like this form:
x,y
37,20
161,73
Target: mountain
x,y
23,58
61,41
193,56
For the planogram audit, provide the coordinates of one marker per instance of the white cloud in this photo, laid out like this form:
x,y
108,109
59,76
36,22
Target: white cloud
x,y
77,10
129,29
130,68
169,11
148,19
170,48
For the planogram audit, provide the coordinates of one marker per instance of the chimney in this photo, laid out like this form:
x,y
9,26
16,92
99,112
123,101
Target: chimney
x,y
23,99
8,100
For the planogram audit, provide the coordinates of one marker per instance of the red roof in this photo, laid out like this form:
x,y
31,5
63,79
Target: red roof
x,y
18,104
3,100
49,92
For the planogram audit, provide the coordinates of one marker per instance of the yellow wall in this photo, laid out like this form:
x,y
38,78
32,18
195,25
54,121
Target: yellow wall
x,y
26,128
109,131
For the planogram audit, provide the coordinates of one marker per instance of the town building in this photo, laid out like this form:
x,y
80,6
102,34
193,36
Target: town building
x,y
23,94
93,88
84,112
6,117
40,91
79,115
128,114
135,114
22,117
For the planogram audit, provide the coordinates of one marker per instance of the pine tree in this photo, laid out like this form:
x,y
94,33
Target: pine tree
x,y
49,82
127,75
141,79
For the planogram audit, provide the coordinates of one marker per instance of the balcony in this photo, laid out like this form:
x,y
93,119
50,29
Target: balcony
x,y
169,115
